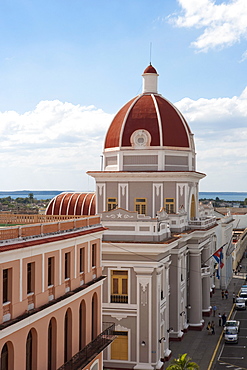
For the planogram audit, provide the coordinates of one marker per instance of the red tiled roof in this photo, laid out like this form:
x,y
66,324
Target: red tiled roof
x,y
72,204
153,113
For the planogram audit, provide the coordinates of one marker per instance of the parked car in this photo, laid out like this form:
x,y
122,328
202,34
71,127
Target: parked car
x,y
243,290
240,304
244,296
231,335
232,324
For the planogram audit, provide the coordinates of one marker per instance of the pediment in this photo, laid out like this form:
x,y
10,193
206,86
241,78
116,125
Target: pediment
x,y
119,214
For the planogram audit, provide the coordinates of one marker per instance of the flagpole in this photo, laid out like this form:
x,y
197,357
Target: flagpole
x,y
221,246
215,252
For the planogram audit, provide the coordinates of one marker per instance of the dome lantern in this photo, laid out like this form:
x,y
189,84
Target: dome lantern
x,y
150,80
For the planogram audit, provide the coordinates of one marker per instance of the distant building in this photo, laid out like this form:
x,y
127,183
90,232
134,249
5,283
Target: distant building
x,y
50,306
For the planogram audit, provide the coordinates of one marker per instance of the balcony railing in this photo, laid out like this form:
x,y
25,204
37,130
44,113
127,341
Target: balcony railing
x,y
119,298
88,353
202,223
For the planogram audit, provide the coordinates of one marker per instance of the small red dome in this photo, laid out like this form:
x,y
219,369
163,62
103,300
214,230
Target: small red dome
x,y
79,204
150,69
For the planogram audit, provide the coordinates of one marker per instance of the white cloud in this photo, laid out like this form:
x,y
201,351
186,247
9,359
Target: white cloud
x,y
244,57
224,24
220,129
52,146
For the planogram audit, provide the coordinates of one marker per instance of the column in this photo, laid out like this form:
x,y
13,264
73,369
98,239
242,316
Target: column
x,y
195,289
175,298
206,308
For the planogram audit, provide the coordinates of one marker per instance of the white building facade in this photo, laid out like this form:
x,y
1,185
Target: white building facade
x,y
158,240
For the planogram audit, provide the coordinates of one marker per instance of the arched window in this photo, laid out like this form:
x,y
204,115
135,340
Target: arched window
x,y
82,325
94,316
31,350
68,335
52,344
5,358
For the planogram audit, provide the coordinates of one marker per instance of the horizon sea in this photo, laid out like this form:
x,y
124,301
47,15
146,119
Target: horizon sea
x,y
49,194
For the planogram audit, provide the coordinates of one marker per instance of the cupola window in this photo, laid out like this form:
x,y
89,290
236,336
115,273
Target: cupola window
x,y
141,205
111,203
169,205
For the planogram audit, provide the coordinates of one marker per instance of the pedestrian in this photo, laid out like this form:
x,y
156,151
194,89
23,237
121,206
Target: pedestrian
x,y
233,297
214,310
219,316
222,294
208,327
226,294
223,319
212,328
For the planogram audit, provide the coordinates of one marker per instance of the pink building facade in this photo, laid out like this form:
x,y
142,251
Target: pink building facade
x,y
50,308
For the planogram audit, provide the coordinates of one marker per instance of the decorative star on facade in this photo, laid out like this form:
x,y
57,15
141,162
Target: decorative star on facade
x,y
119,215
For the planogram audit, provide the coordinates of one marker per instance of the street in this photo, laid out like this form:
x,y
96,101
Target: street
x,y
234,356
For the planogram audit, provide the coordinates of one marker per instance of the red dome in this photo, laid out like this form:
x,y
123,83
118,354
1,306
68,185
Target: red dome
x,y
72,204
150,69
153,113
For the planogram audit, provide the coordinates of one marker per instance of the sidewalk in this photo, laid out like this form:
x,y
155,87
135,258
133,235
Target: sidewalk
x,y
198,344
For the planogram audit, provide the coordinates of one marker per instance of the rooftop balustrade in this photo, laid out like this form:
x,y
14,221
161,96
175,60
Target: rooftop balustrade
x,y
202,223
48,225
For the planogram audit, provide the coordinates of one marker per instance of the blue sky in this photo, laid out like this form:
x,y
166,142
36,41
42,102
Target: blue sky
x,y
67,66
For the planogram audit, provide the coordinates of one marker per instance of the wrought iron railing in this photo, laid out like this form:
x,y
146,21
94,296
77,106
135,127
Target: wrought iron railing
x,y
88,353
119,298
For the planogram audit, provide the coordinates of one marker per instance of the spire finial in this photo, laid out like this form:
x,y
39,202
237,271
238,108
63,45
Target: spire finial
x,y
150,53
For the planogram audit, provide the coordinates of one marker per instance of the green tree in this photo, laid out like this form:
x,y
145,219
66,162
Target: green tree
x,y
30,196
182,362
245,201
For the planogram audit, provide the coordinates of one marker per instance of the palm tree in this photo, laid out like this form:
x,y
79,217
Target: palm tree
x,y
30,196
183,362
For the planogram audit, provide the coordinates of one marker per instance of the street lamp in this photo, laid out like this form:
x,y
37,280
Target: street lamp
x,y
188,307
162,339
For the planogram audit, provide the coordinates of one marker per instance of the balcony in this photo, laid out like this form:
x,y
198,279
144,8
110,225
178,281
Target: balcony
x,y
202,223
119,298
88,353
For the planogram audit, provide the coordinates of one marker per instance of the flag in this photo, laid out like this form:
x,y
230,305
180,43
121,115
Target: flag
x,y
218,256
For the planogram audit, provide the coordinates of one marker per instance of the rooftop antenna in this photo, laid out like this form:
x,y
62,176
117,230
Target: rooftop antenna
x,y
150,52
